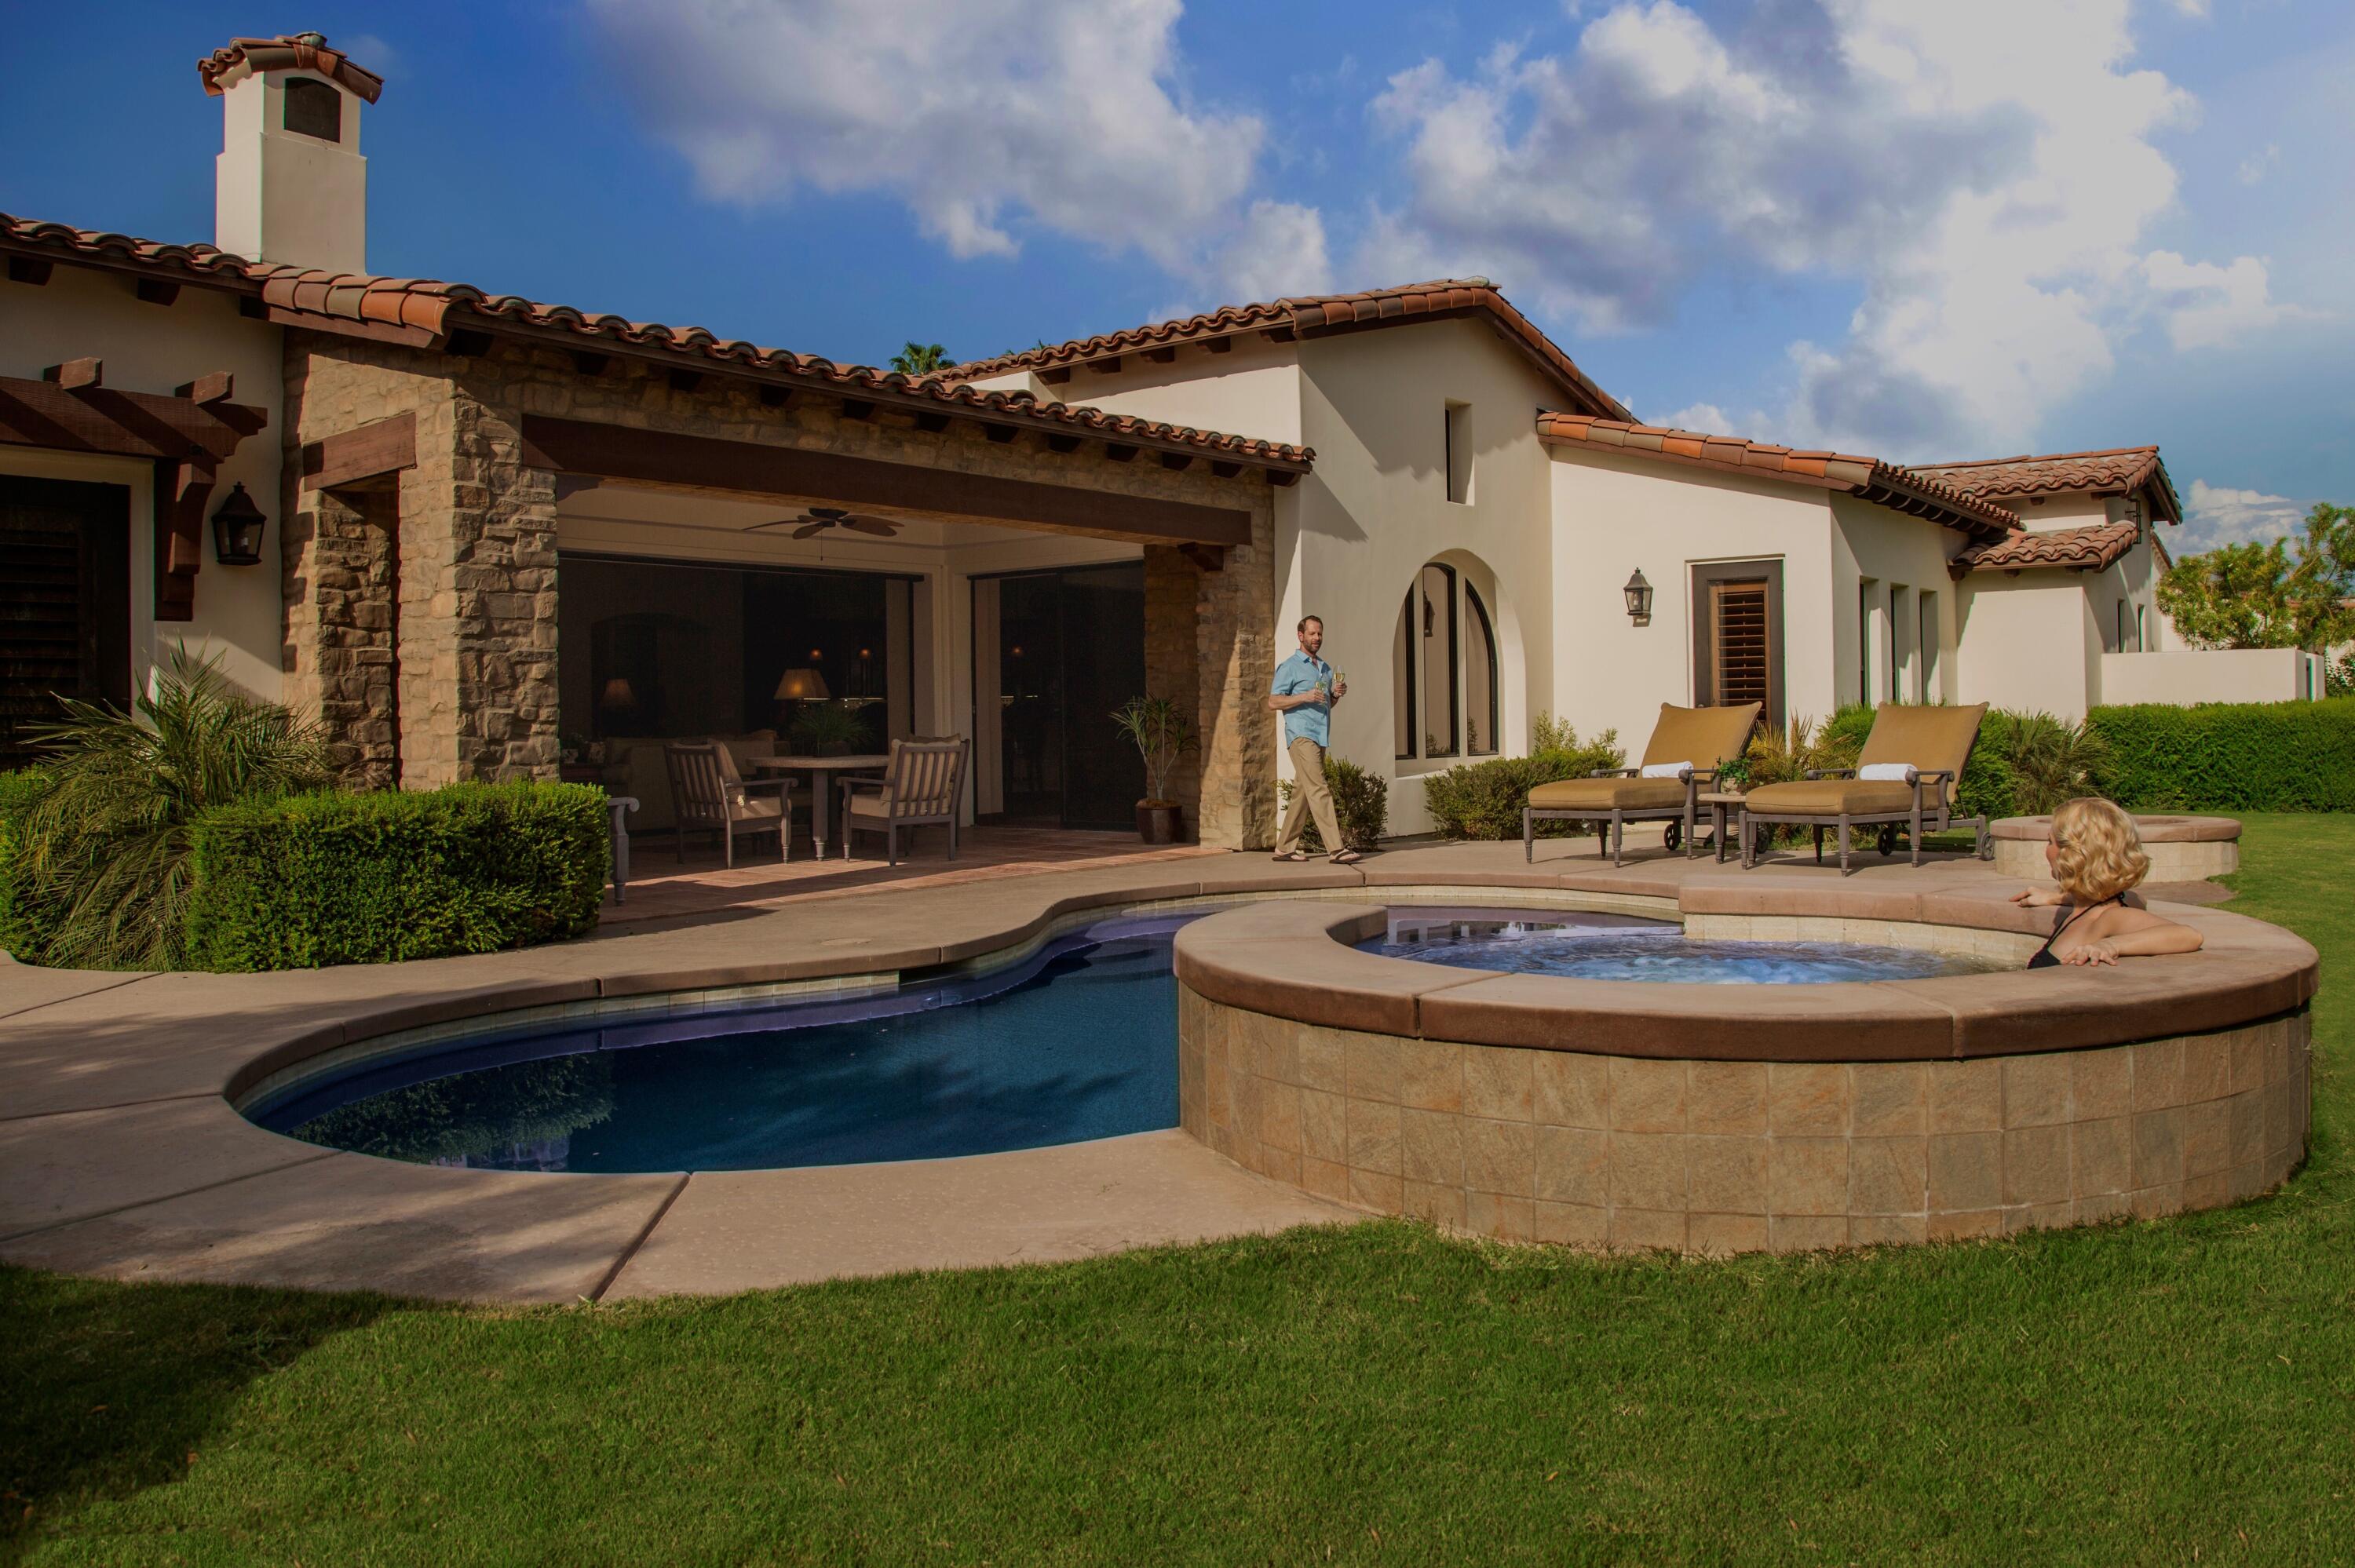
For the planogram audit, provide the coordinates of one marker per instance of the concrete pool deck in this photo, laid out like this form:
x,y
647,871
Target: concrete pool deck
x,y
120,1155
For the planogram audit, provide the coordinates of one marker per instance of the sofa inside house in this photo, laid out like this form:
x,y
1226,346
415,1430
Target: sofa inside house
x,y
635,766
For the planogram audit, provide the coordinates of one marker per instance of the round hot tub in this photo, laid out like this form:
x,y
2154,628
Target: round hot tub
x,y
2182,848
1972,1098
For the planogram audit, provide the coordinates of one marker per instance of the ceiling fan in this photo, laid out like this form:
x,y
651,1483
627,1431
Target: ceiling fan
x,y
818,519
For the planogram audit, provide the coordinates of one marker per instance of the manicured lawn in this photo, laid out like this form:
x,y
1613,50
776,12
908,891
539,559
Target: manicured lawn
x,y
2139,1393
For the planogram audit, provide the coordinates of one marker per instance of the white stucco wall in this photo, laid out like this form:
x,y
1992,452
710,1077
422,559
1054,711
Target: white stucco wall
x,y
1253,390
280,196
1909,555
82,311
2213,675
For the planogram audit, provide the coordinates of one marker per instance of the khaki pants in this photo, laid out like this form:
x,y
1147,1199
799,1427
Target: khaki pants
x,y
1309,793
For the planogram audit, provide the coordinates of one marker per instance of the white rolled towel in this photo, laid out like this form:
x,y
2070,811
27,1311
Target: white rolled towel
x,y
1667,769
1888,772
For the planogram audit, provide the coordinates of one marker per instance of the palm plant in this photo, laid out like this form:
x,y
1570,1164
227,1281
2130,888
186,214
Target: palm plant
x,y
920,359
1162,733
2050,761
830,729
108,846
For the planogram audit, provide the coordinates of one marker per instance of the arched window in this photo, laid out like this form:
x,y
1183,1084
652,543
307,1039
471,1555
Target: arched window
x,y
1443,670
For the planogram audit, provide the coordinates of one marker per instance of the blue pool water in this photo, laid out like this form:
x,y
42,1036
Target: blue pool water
x,y
1623,948
1081,1042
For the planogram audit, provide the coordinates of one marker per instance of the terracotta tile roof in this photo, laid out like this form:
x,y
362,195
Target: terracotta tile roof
x,y
426,312
298,52
2058,473
1311,315
2086,549
1885,483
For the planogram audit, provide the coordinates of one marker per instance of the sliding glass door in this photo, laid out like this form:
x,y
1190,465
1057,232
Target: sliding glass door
x,y
1054,654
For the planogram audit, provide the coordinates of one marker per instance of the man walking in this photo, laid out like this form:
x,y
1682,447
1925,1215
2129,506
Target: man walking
x,y
1305,692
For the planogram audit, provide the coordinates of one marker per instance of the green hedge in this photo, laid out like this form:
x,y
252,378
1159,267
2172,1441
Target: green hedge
x,y
2226,757
312,880
1484,800
26,922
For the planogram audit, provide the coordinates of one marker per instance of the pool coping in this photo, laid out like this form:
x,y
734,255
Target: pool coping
x,y
120,1157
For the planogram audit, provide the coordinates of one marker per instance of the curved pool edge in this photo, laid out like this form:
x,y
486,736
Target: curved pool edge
x,y
123,1159
1633,1115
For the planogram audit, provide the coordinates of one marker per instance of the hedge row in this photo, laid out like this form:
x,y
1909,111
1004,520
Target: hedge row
x,y
312,880
1484,800
2228,757
25,923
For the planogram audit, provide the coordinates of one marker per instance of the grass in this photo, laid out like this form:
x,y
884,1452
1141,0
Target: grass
x,y
2136,1392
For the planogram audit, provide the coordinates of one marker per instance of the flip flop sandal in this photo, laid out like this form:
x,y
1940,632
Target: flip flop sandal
x,y
1348,857
1296,857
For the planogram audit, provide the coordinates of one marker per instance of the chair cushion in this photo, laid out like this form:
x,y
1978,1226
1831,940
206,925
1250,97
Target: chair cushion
x,y
1702,737
867,803
754,809
1607,794
1830,797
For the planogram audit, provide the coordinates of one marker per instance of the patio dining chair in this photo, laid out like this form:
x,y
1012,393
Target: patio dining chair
x,y
922,787
1909,775
708,796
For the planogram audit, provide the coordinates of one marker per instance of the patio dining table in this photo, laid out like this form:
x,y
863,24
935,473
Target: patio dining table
x,y
822,771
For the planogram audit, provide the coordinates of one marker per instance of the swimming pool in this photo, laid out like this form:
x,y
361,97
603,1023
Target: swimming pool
x,y
1077,1042
1600,946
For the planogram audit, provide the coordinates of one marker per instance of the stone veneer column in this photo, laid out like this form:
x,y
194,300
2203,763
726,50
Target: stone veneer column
x,y
499,527
1208,644
338,560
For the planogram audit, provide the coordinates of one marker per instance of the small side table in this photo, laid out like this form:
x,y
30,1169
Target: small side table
x,y
1720,803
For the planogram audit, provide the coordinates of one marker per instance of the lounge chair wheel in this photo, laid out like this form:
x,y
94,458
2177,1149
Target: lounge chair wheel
x,y
1889,840
1673,837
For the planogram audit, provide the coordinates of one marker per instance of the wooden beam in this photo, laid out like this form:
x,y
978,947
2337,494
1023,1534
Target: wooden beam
x,y
1108,365
774,396
181,489
1056,375
1175,460
466,343
1161,356
1206,557
1118,452
1220,345
217,387
1279,334
158,290
1283,479
998,434
931,424
1226,469
685,380
30,270
127,424
590,363
1063,445
76,374
369,452
753,468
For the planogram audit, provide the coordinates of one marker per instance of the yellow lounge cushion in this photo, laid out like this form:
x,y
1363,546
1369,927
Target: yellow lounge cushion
x,y
1830,797
1607,795
1702,737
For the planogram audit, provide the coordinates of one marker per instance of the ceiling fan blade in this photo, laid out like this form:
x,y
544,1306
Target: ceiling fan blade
x,y
875,526
831,514
820,526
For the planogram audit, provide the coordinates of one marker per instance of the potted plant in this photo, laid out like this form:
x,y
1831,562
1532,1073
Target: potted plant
x,y
829,729
1162,733
1733,776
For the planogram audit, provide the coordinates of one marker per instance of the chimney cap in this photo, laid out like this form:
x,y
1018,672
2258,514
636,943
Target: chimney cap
x,y
225,67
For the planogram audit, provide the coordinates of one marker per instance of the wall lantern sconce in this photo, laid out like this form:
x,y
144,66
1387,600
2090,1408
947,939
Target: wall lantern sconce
x,y
237,530
1639,599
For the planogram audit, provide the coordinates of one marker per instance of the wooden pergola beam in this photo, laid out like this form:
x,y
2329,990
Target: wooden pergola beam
x,y
98,419
76,374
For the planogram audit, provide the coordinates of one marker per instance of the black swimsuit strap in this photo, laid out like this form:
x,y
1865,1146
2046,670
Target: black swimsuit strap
x,y
2074,916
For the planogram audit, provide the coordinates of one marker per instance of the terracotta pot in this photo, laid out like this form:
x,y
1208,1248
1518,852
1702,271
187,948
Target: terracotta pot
x,y
1159,824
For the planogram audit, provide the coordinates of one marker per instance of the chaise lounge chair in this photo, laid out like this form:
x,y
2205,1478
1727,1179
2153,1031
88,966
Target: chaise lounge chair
x,y
1696,741
1933,742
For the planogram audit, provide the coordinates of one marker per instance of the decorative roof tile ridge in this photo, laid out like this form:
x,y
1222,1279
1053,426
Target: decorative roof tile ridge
x,y
210,260
2094,545
296,51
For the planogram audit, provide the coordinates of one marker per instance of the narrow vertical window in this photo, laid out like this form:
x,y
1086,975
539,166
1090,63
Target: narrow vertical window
x,y
1435,594
1479,678
1402,679
1864,640
1459,452
2142,628
1925,673
1889,634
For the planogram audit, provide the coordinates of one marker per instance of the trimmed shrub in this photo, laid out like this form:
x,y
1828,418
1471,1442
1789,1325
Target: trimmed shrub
x,y
1484,800
1361,803
27,922
2230,757
308,880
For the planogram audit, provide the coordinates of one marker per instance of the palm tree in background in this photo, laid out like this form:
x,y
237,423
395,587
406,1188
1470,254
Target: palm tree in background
x,y
920,359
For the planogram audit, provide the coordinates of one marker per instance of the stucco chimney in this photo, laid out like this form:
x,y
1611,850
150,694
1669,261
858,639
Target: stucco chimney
x,y
290,184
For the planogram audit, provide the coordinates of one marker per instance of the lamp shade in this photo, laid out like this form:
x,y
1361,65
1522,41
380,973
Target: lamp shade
x,y
237,530
802,686
617,694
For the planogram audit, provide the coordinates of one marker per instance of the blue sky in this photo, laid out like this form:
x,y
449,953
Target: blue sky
x,y
1923,231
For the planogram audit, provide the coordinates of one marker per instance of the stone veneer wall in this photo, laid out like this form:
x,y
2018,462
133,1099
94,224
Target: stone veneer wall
x,y
477,693
1721,1156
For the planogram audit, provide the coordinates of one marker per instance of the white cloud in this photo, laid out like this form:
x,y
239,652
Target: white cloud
x,y
2196,9
370,53
983,116
1279,250
2257,165
2214,515
1982,173
1706,418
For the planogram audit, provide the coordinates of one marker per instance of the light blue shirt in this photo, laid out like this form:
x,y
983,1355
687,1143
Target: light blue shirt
x,y
1310,721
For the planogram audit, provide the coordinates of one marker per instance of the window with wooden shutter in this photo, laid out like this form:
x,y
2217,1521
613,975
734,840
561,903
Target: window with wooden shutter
x,y
1738,636
64,603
